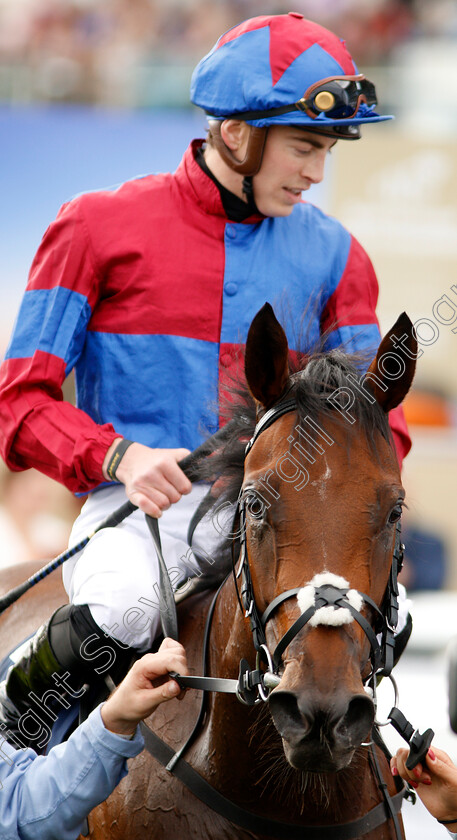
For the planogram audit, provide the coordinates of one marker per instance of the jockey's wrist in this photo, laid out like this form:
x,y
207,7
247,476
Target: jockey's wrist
x,y
114,457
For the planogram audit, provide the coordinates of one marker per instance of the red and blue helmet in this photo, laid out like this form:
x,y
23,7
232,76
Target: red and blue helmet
x,y
284,70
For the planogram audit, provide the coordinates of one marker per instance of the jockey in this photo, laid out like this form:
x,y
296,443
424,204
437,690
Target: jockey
x,y
147,292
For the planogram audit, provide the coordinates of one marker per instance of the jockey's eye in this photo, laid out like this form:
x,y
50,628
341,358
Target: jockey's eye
x,y
396,513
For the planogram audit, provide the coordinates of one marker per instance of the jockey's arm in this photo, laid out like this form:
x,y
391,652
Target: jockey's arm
x,y
153,481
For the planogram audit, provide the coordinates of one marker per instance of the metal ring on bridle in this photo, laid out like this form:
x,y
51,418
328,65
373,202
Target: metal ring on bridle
x,y
387,722
241,698
264,694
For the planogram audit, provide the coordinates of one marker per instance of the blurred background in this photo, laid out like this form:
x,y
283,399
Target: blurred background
x,y
93,92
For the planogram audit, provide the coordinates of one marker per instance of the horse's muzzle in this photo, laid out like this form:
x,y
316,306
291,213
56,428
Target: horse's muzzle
x,y
320,733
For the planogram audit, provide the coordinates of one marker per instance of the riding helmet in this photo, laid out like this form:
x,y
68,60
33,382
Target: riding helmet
x,y
284,70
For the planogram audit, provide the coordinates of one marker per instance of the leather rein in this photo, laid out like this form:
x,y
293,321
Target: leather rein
x,y
253,686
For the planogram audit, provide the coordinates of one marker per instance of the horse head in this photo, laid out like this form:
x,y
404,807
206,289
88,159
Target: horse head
x,y
321,497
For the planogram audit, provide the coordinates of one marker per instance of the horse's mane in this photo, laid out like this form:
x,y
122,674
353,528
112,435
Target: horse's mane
x,y
314,378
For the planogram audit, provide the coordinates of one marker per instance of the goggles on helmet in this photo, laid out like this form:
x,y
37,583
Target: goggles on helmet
x,y
335,98
338,97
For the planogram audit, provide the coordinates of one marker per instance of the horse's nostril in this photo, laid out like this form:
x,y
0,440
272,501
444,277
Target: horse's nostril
x,y
356,724
285,712
297,720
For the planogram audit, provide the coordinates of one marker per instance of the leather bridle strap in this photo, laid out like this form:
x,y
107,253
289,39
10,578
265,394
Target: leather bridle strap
x,y
270,417
305,617
292,631
321,601
388,799
283,596
254,822
167,603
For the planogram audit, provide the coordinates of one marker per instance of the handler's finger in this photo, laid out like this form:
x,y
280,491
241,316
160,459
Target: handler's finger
x,y
436,755
415,776
162,688
160,490
442,766
171,643
154,665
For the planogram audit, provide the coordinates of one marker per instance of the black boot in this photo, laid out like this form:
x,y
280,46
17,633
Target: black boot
x,y
64,655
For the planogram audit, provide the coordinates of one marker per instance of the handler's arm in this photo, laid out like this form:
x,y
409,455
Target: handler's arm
x,y
48,797
436,783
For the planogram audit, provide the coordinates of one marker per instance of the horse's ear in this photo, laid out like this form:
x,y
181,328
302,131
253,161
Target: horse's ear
x,y
266,359
391,372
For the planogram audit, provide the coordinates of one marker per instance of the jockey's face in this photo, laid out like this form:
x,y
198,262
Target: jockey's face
x,y
292,161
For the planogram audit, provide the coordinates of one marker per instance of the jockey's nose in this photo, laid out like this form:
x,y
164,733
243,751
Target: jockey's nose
x,y
313,166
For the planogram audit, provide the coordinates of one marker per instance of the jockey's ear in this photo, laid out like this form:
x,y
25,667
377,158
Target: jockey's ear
x,y
391,372
266,360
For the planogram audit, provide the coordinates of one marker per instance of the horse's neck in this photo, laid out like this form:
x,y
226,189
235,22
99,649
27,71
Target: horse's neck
x,y
224,743
241,754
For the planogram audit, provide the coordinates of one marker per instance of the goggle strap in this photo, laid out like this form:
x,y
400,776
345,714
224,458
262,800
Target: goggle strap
x,y
258,115
303,104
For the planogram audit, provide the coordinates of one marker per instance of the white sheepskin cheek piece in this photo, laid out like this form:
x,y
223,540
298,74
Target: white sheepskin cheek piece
x,y
331,616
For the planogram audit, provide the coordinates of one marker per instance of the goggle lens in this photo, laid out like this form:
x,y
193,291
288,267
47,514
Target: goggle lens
x,y
338,98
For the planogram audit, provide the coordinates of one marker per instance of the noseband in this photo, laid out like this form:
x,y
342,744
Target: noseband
x,y
326,595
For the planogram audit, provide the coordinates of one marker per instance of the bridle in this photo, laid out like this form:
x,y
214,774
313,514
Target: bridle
x,y
254,686
381,653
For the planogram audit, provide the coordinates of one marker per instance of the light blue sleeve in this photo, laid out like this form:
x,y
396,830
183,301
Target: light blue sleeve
x,y
48,797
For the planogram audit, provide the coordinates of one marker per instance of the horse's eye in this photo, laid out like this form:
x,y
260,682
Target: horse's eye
x,y
395,514
255,505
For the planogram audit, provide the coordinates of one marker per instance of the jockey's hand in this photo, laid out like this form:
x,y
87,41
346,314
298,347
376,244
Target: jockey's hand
x,y
144,688
436,783
153,481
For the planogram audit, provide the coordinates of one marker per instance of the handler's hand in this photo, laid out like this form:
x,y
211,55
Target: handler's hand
x,y
137,696
436,783
153,481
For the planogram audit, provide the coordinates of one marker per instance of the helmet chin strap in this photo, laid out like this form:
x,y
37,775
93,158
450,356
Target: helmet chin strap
x,y
250,164
248,187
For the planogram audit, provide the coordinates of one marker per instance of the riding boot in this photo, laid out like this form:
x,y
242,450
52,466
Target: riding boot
x,y
64,655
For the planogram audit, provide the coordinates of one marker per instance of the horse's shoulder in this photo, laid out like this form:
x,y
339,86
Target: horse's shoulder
x,y
24,616
11,576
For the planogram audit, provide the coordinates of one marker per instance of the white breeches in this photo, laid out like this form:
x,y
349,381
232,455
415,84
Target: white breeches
x,y
116,574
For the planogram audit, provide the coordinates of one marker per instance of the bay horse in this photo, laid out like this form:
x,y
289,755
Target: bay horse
x,y
318,498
